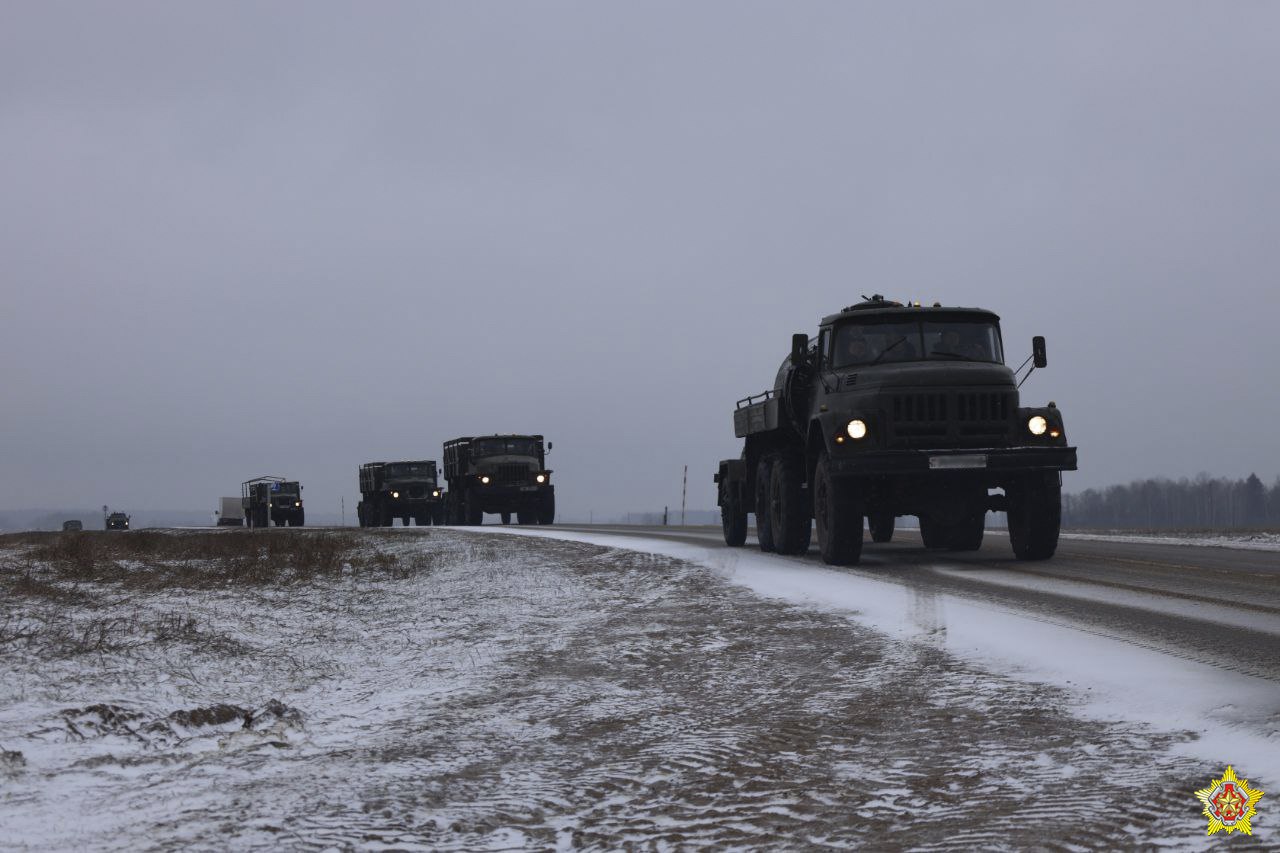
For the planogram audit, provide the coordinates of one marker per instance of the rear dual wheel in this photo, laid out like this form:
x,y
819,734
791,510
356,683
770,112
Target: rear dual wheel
x,y
789,514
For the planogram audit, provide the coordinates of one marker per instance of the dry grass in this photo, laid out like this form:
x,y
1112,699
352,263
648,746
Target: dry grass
x,y
52,564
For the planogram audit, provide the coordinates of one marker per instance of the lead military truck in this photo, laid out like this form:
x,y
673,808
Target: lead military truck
x,y
404,490
896,410
504,474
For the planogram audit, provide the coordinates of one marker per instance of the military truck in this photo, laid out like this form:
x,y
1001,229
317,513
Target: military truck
x,y
404,490
273,499
116,521
72,525
504,474
896,410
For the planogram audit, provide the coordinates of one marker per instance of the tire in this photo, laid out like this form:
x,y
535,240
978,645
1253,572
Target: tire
x,y
789,517
881,524
527,516
473,515
733,520
506,518
384,517
301,520
547,509
404,520
965,534
360,513
1035,519
764,524
932,533
838,515
438,515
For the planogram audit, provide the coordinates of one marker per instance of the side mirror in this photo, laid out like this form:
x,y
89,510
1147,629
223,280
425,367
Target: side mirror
x,y
550,444
1037,351
799,346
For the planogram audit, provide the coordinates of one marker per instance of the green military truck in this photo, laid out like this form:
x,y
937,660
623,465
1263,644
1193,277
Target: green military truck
x,y
116,521
403,490
896,410
503,474
272,499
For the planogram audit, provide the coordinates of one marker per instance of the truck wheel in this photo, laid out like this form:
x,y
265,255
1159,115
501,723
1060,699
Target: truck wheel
x,y
547,509
1035,518
733,520
527,516
881,524
789,517
506,518
384,517
405,519
301,519
932,533
838,515
471,508
764,523
438,515
360,513
965,534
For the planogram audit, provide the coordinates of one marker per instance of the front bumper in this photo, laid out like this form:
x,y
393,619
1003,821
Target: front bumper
x,y
995,460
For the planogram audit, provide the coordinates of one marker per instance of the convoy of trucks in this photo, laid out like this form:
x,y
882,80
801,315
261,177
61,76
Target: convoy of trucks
x,y
890,410
896,410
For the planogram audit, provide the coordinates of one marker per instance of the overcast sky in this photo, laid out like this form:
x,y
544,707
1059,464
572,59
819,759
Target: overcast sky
x,y
240,239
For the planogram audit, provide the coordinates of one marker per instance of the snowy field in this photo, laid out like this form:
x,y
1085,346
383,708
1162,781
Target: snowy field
x,y
445,689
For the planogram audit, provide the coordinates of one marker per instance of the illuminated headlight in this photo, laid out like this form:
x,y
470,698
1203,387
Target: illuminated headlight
x,y
297,503
542,478
857,429
395,494
1037,425
436,493
485,479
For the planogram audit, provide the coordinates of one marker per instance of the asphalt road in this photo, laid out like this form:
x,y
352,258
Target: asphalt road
x,y
1219,606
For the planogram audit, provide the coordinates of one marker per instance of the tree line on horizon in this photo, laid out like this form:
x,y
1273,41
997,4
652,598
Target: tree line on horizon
x,y
1186,504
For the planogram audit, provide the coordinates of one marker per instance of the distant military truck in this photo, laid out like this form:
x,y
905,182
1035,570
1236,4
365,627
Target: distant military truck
x,y
73,524
117,521
896,410
230,512
503,474
403,490
273,499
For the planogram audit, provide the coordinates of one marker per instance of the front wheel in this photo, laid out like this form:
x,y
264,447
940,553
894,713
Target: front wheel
x,y
471,509
547,510
733,520
301,519
506,518
839,517
881,524
1035,519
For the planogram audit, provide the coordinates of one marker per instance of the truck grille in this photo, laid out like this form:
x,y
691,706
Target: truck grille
x,y
511,473
950,418
416,491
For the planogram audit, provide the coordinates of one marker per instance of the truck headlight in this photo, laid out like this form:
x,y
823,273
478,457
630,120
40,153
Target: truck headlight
x,y
1037,425
395,494
436,493
297,503
857,429
542,478
485,479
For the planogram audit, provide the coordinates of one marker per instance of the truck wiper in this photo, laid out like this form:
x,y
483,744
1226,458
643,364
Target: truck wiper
x,y
954,355
886,350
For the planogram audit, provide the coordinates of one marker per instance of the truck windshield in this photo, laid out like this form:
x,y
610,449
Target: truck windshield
x,y
410,471
504,447
930,340
285,488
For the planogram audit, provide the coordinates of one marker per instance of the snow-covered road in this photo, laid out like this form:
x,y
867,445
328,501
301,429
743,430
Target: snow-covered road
x,y
498,692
